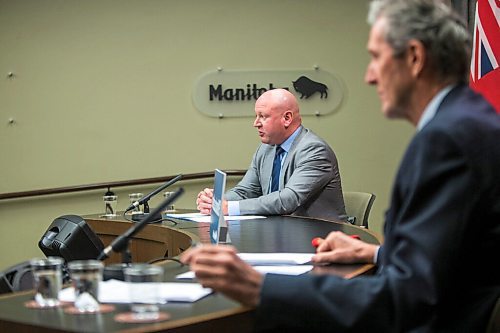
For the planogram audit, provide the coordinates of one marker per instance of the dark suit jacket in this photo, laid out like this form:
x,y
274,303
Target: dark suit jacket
x,y
438,268
310,182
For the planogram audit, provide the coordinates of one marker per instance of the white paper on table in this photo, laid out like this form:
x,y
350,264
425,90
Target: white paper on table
x,y
198,217
114,291
282,269
276,258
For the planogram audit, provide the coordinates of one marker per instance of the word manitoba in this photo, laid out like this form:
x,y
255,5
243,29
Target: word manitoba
x,y
251,92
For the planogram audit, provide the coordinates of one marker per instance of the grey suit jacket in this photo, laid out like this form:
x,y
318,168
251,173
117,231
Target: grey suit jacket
x,y
309,181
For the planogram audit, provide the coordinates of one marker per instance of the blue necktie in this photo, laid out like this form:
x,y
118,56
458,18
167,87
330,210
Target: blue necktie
x,y
275,176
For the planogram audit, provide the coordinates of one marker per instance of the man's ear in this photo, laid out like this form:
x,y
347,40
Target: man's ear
x,y
416,57
287,118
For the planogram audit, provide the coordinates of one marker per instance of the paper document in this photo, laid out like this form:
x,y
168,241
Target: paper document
x,y
198,217
114,291
276,258
282,269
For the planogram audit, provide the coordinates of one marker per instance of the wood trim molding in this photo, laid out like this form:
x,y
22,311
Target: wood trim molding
x,y
97,186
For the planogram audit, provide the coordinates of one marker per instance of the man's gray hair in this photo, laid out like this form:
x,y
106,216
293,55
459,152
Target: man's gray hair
x,y
442,32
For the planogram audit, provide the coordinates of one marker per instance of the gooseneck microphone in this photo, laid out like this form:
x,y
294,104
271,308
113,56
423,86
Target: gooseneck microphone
x,y
146,198
120,243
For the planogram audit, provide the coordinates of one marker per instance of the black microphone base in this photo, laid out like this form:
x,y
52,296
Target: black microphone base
x,y
139,217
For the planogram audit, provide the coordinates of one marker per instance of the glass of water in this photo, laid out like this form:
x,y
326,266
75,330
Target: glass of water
x,y
47,280
110,203
86,275
170,208
144,290
133,197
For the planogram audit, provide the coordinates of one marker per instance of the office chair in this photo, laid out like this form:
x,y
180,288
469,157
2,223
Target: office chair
x,y
358,206
16,278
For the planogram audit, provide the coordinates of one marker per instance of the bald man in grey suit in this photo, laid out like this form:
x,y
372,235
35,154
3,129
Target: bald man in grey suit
x,y
309,179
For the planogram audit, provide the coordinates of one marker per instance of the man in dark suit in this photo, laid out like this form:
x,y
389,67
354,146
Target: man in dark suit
x,y
308,178
437,269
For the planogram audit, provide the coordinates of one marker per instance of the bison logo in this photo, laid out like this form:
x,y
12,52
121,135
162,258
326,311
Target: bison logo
x,y
307,87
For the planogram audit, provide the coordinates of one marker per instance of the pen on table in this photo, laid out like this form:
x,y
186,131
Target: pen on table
x,y
317,240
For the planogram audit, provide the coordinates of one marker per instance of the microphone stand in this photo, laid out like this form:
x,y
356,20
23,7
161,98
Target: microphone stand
x,y
120,244
144,201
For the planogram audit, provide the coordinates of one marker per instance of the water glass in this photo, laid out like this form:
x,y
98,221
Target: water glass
x,y
170,208
144,290
110,204
86,275
47,280
133,197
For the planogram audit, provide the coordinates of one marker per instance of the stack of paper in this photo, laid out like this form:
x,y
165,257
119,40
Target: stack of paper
x,y
114,291
275,263
276,258
198,217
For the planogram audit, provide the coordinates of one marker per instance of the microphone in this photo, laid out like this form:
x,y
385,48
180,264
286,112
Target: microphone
x,y
146,198
120,243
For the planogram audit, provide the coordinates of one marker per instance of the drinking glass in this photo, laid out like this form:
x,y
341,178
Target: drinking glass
x,y
110,203
133,197
86,275
170,208
47,280
144,290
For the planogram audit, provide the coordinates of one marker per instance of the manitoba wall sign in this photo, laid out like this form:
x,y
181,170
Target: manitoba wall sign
x,y
232,93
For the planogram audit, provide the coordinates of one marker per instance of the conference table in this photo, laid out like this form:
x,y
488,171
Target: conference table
x,y
161,241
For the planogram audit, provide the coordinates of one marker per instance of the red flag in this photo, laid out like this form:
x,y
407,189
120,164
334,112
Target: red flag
x,y
484,69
